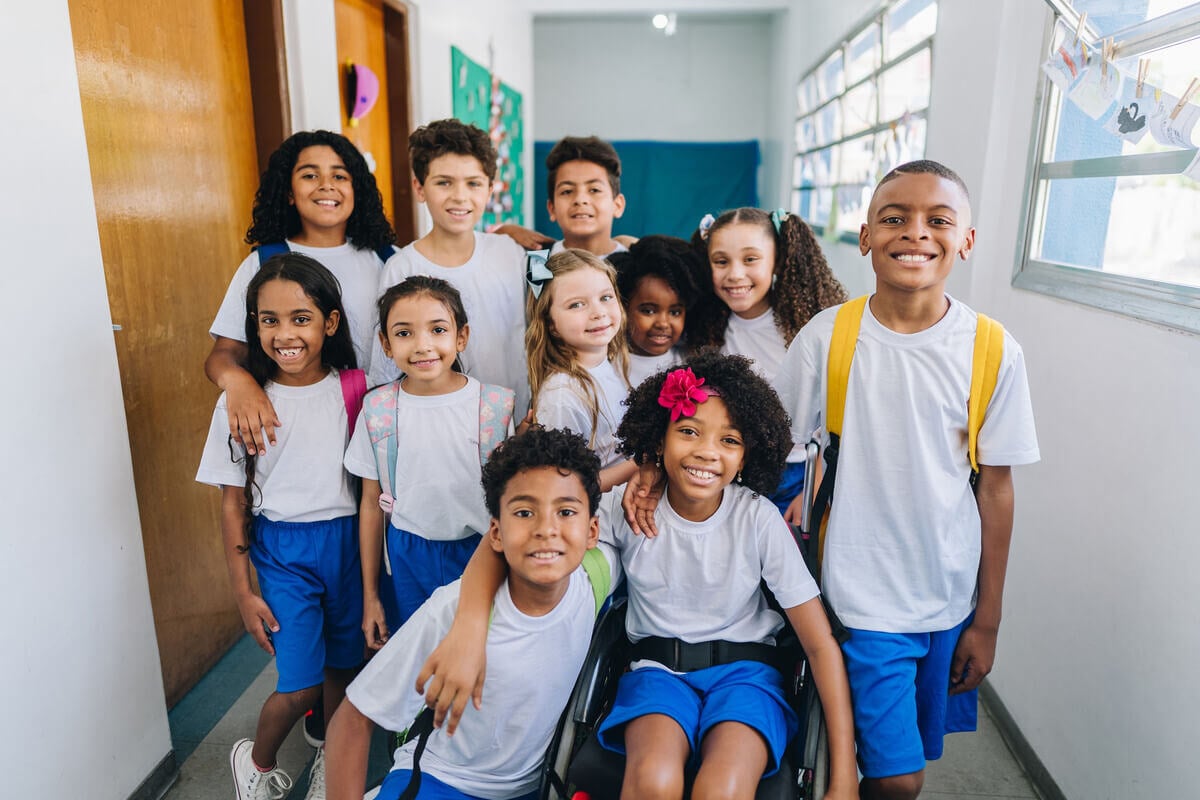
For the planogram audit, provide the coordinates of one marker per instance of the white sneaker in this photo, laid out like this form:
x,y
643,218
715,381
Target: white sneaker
x,y
250,783
316,777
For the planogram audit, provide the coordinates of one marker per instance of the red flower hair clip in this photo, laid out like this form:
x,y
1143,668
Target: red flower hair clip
x,y
681,393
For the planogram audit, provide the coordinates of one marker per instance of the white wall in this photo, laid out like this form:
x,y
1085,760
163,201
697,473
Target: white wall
x,y
620,79
83,704
1100,631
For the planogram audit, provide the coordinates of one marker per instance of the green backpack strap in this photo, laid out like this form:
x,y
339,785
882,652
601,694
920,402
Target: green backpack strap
x,y
495,414
600,574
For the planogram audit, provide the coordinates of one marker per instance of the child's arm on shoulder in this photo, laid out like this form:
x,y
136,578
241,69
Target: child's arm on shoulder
x,y
256,614
252,417
454,671
829,670
371,524
976,650
526,237
617,474
347,744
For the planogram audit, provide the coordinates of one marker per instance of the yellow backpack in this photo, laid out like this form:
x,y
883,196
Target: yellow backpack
x,y
985,370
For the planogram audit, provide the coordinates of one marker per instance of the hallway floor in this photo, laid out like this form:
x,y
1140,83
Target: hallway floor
x,y
224,707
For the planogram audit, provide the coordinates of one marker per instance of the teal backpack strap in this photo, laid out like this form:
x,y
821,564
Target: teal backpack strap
x,y
600,574
495,415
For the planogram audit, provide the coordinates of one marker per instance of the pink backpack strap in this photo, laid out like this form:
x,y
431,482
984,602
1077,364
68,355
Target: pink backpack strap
x,y
354,386
495,415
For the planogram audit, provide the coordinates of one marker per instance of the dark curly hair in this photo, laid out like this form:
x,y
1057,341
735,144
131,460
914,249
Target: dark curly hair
x,y
276,219
804,284
541,447
450,137
583,148
754,409
666,257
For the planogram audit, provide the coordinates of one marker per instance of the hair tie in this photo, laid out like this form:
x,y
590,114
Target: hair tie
x,y
536,271
681,393
706,222
777,218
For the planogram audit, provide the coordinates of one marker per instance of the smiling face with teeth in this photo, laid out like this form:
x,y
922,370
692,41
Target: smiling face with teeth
x,y
423,341
292,331
584,206
742,258
701,455
456,191
323,194
916,225
543,529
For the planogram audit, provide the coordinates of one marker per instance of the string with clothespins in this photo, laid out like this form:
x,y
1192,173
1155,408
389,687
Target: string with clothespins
x,y
1186,98
1143,71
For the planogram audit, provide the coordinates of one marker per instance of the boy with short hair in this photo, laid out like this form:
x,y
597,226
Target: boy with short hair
x,y
910,546
543,491
583,194
454,165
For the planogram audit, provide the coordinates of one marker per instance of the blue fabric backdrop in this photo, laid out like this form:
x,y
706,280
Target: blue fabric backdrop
x,y
668,186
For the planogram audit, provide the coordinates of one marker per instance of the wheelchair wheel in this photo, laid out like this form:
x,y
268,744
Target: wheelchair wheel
x,y
813,780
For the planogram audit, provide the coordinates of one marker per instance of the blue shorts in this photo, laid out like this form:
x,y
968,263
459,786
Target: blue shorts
x,y
745,691
310,575
790,485
899,685
431,788
419,567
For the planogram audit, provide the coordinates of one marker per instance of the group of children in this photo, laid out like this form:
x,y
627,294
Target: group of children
x,y
694,372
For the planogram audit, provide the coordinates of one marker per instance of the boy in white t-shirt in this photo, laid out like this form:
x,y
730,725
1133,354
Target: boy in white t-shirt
x,y
543,492
454,165
914,560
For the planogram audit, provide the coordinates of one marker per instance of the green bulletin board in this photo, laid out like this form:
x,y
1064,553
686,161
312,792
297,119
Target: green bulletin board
x,y
481,99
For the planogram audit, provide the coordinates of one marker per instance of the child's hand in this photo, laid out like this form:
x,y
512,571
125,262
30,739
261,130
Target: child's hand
x,y
525,423
795,511
258,619
973,658
374,624
452,675
529,239
642,493
252,418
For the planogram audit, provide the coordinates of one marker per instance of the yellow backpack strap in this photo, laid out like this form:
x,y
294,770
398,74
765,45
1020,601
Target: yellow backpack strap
x,y
985,371
841,355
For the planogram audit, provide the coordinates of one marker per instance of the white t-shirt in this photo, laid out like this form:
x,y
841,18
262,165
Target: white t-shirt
x,y
759,340
437,493
902,547
300,477
700,581
558,247
356,270
532,665
492,285
562,403
642,367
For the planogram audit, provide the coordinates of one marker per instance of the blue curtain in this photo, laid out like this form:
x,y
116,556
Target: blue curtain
x,y
668,186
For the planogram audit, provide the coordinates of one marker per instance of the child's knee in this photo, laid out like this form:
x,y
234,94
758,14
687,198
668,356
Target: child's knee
x,y
653,779
894,787
301,699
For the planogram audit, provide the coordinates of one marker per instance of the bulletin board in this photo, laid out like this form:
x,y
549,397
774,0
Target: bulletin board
x,y
482,99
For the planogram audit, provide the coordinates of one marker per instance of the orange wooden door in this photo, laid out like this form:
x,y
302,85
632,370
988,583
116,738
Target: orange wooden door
x,y
170,133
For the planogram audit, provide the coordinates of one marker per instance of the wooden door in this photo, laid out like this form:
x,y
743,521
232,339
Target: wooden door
x,y
170,133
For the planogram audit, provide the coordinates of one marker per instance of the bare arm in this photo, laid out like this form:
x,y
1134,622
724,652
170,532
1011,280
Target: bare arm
x,y
641,498
825,656
256,614
252,418
617,474
454,671
526,237
371,524
347,744
976,650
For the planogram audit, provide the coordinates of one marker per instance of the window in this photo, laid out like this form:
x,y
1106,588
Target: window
x,y
1113,218
860,112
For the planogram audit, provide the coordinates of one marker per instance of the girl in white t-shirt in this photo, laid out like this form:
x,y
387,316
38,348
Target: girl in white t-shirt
x,y
318,197
291,510
578,360
769,277
418,446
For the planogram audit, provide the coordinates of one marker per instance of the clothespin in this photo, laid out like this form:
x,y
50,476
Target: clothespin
x,y
1083,51
1106,47
1187,96
1079,27
1143,71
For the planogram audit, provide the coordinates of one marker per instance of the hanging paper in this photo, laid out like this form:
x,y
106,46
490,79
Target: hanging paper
x,y
1175,132
1062,67
1130,118
1096,90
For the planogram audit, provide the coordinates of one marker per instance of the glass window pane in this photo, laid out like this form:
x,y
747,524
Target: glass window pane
x,y
908,23
862,55
806,94
820,206
858,109
806,134
852,207
831,78
1107,16
905,87
857,164
828,124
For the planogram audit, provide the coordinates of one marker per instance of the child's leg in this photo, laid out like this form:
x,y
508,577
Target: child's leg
x,y
656,750
341,573
733,759
279,714
336,681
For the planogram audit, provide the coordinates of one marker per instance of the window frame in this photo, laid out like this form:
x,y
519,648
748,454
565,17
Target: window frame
x,y
1172,305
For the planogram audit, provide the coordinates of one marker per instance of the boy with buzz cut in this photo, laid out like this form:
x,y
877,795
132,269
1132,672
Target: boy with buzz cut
x,y
454,165
914,559
583,188
542,489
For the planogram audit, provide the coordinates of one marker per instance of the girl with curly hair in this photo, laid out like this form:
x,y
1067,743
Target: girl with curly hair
x,y
769,277
316,197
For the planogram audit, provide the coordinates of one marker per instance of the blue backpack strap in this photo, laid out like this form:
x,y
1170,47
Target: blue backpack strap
x,y
386,252
266,251
495,415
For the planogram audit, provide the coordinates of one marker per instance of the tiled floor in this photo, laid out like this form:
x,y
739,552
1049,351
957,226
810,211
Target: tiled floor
x,y
975,766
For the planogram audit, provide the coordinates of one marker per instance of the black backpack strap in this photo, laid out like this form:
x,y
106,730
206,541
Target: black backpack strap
x,y
810,542
420,729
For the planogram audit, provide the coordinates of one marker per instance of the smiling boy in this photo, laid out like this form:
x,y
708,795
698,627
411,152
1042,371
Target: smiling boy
x,y
914,560
583,187
454,165
543,491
